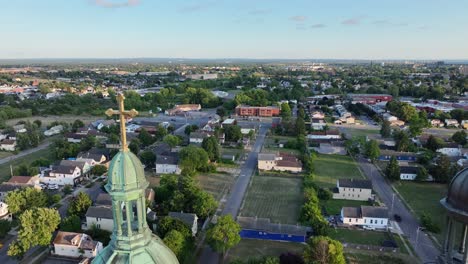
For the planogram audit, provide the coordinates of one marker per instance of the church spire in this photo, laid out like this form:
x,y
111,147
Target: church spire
x,y
122,115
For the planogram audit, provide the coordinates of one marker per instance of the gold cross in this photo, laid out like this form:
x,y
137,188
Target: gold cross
x,y
122,113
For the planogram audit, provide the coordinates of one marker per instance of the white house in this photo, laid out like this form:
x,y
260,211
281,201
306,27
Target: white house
x,y
76,245
451,123
167,164
101,217
53,131
408,173
451,150
352,189
331,134
191,220
197,137
388,117
4,213
365,216
62,175
318,124
8,145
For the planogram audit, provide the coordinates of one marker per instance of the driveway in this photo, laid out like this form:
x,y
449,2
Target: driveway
x,y
424,246
238,191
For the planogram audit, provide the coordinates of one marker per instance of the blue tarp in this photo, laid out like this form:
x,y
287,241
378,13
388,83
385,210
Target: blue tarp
x,y
255,234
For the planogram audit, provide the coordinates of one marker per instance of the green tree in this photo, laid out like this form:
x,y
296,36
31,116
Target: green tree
x,y
285,111
233,133
77,124
372,150
172,140
175,241
145,137
211,146
38,123
71,224
460,137
134,146
392,172
224,234
204,204
5,227
29,198
221,111
79,205
422,174
43,221
98,170
88,143
167,224
324,250
442,171
403,142
193,158
300,127
148,158
386,130
434,143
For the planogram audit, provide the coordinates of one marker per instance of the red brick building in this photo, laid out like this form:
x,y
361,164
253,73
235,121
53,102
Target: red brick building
x,y
263,111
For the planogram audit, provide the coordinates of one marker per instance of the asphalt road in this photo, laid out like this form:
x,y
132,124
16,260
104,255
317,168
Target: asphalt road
x,y
422,244
238,191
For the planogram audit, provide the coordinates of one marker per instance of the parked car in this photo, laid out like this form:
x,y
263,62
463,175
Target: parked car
x,y
397,218
368,227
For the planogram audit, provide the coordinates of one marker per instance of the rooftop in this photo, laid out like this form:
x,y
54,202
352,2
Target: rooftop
x,y
353,183
100,212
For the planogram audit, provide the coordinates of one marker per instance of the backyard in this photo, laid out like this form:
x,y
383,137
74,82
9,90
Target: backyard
x,y
260,248
216,183
277,198
425,198
357,132
329,168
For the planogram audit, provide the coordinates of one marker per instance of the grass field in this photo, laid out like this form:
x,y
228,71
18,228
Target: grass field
x,y
369,257
362,237
356,132
260,248
333,206
47,120
215,183
425,197
277,198
28,159
329,168
5,154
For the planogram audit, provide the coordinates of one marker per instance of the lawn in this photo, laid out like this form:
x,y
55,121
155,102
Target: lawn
x,y
216,183
356,132
425,197
329,168
361,237
277,198
5,154
260,248
369,257
47,120
28,159
333,206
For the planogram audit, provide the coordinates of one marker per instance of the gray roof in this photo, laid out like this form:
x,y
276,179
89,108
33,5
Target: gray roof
x,y
264,224
198,135
352,212
73,163
376,212
100,212
172,159
64,169
353,183
266,156
409,169
187,218
104,199
87,155
8,187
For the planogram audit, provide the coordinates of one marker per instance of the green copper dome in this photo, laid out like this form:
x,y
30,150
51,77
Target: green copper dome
x,y
126,173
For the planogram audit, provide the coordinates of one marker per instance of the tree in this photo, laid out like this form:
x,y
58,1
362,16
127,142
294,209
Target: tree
x,y
77,124
38,123
403,142
392,172
460,137
434,143
442,170
204,204
168,224
134,146
224,234
221,111
285,111
145,137
290,258
372,150
25,170
386,130
422,174
323,250
71,224
172,140
21,200
233,133
88,143
35,229
98,170
300,127
175,241
148,158
211,146
79,205
193,158
416,125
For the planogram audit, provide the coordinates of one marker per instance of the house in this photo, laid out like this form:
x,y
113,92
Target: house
x,y
437,123
8,145
229,122
451,150
451,123
365,216
101,217
260,111
191,220
25,181
331,147
330,134
53,131
76,245
167,164
4,212
181,109
279,162
353,189
408,173
390,118
262,228
62,175
98,156
318,124
74,137
20,128
103,199
317,115
386,155
6,188
83,165
464,124
197,137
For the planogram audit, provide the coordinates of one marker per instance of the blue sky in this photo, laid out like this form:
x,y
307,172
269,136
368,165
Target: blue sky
x,y
296,29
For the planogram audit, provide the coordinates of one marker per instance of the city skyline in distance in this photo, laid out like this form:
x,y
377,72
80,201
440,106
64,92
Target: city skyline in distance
x,y
264,30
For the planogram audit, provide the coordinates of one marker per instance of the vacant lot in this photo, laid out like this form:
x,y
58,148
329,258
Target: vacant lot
x,y
425,198
277,198
28,159
371,257
260,248
329,168
216,183
356,132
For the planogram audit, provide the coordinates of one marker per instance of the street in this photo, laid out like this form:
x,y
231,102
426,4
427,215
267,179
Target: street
x,y
238,191
422,244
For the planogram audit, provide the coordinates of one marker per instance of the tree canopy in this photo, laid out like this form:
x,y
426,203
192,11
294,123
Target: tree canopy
x,y
224,234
